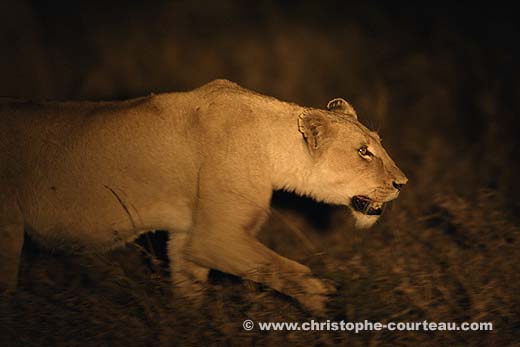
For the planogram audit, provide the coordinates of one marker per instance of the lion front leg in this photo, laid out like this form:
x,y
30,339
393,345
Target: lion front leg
x,y
246,257
188,278
223,240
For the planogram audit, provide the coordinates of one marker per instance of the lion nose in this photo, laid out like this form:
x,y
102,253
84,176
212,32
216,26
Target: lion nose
x,y
398,184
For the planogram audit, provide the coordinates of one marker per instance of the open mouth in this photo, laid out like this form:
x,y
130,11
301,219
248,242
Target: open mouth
x,y
366,205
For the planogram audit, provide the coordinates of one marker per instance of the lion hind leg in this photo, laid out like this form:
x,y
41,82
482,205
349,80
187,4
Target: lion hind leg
x,y
11,237
11,243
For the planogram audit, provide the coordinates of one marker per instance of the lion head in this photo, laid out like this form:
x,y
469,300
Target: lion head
x,y
350,167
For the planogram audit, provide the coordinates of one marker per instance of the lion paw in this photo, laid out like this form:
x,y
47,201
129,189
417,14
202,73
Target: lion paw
x,y
316,295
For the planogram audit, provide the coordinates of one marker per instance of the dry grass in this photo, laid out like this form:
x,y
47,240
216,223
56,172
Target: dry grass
x,y
445,105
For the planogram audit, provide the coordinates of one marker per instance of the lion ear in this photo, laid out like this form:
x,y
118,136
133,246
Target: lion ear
x,y
341,106
315,128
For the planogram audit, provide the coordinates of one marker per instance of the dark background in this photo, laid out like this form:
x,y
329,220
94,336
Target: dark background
x,y
440,84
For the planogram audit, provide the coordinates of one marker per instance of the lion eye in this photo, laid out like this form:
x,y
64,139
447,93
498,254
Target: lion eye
x,y
364,152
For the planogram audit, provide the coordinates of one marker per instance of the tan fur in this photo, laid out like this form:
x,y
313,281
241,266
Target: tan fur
x,y
202,164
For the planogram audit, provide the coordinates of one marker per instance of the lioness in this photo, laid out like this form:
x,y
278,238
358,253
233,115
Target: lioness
x,y
202,164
